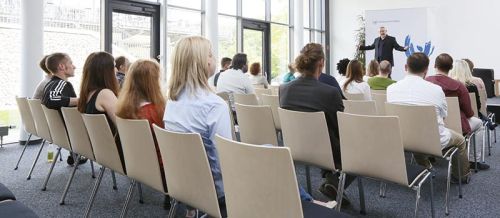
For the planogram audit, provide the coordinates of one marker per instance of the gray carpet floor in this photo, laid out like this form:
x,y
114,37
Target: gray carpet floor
x,y
481,195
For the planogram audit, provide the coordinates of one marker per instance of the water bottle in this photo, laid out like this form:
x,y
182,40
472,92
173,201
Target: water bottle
x,y
50,153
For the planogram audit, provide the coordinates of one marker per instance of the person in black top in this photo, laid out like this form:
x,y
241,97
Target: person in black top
x,y
330,80
383,46
225,63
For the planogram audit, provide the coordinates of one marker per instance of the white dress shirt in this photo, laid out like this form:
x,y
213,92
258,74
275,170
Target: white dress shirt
x,y
414,90
358,88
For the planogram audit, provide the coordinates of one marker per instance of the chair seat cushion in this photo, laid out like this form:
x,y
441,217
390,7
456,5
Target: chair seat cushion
x,y
413,171
312,210
15,209
5,193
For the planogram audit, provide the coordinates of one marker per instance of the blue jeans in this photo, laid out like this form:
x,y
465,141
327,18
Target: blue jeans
x,y
304,195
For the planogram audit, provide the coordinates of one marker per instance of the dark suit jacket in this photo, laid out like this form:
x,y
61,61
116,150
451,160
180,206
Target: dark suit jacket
x,y
385,52
306,94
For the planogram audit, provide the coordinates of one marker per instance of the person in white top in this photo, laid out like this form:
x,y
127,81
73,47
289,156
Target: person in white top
x,y
354,84
256,76
234,79
414,90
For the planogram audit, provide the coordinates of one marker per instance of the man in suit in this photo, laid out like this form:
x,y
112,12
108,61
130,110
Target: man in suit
x,y
383,46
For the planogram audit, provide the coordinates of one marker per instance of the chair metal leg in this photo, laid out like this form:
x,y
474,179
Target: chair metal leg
x,y
459,165
114,180
448,181
129,196
92,167
60,158
483,148
139,188
22,153
340,189
171,213
475,158
489,141
361,197
308,179
381,191
44,187
416,202
36,160
94,192
432,195
63,197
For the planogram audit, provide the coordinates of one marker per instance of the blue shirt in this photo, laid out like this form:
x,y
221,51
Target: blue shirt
x,y
205,113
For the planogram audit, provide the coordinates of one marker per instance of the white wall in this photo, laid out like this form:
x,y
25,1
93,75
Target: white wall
x,y
462,28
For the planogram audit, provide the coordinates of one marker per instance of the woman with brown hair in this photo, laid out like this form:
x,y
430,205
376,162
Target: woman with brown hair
x,y
371,70
354,83
256,78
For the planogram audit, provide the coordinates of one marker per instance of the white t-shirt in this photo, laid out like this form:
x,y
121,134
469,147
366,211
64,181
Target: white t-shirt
x,y
358,88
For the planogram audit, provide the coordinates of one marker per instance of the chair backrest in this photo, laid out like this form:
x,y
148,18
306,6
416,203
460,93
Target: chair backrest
x,y
382,91
274,90
419,127
40,121
139,152
380,100
259,86
103,142
453,121
224,95
77,133
360,107
187,170
372,152
260,92
306,134
26,115
256,124
473,103
274,102
483,98
259,181
247,99
358,96
57,128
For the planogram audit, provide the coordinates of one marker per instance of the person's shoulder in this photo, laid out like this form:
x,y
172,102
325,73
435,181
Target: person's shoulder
x,y
106,94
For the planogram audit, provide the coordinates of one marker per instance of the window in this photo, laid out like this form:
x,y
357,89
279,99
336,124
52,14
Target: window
x,y
255,9
227,37
314,21
131,36
194,4
227,7
279,49
280,11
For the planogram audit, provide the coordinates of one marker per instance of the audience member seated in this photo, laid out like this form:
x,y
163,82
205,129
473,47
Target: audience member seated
x,y
476,80
372,70
122,64
414,90
225,63
354,83
255,75
234,79
41,85
342,68
288,77
307,94
331,81
462,74
98,91
192,107
382,80
59,92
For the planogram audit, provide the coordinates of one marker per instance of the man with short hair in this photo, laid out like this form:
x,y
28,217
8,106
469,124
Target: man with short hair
x,y
225,63
234,80
382,80
414,90
383,45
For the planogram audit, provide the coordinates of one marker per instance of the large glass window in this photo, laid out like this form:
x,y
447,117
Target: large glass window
x,y
255,9
131,36
194,4
227,37
279,49
227,7
280,11
314,21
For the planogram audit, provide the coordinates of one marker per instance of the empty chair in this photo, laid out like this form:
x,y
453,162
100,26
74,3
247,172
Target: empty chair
x,y
28,124
247,99
187,171
80,142
105,151
274,89
256,124
358,97
375,91
382,160
41,126
248,195
259,92
141,158
274,102
427,139
380,100
360,107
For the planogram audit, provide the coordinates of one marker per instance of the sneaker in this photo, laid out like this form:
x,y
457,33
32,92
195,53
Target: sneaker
x,y
70,160
330,191
82,160
480,166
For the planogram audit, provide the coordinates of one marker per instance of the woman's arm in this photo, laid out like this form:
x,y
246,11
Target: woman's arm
x,y
106,101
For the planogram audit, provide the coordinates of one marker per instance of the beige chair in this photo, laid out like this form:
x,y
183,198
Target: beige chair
x,y
225,97
260,92
248,195
274,102
41,126
105,151
473,104
247,99
453,120
380,100
355,97
427,139
375,91
80,142
260,86
256,124
274,90
360,107
306,134
382,160
29,127
141,158
187,171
